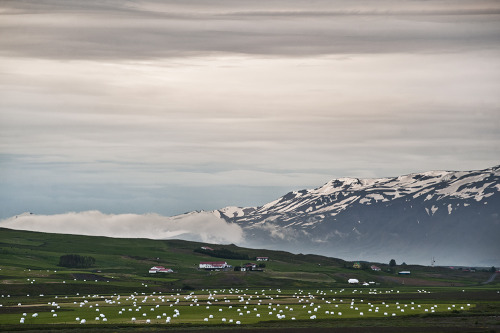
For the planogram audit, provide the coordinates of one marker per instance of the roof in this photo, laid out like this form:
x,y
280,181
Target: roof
x,y
213,263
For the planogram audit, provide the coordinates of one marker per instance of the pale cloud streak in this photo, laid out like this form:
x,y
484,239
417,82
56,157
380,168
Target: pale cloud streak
x,y
204,227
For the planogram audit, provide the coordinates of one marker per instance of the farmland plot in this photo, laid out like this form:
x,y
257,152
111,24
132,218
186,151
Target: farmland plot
x,y
223,306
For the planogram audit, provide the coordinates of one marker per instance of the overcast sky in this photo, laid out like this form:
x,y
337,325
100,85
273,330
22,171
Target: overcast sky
x,y
174,106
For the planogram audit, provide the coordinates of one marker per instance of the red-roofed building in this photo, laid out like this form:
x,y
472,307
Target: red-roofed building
x,y
250,266
211,265
160,269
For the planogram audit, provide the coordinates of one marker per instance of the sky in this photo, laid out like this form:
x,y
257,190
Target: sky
x,y
166,107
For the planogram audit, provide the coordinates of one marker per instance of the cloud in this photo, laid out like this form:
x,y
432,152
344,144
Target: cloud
x,y
151,30
277,232
204,226
171,106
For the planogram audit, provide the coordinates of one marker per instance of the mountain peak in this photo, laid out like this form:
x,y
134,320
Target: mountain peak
x,y
432,213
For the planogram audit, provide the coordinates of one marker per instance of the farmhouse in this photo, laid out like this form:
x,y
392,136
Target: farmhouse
x,y
212,265
206,248
160,269
262,258
250,266
375,268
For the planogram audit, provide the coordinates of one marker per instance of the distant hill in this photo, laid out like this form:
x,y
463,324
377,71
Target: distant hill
x,y
122,265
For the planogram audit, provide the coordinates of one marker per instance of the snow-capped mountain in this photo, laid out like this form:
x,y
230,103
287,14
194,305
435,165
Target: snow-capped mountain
x,y
450,215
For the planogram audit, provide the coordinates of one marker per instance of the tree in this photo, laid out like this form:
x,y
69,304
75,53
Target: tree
x,y
76,261
493,269
392,263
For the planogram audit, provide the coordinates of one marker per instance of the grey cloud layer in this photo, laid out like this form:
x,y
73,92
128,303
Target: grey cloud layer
x,y
149,29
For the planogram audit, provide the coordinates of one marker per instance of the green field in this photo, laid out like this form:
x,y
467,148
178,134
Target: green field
x,y
293,291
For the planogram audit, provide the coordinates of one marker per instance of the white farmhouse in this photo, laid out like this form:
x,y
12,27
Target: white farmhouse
x,y
160,269
211,265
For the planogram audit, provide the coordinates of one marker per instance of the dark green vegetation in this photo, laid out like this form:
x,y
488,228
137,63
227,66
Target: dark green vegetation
x,y
29,266
222,253
76,261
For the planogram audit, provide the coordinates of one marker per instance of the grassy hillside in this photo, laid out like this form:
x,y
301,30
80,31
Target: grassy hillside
x,y
29,264
293,293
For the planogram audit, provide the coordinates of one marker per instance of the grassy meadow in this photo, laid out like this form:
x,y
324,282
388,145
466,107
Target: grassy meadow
x,y
293,290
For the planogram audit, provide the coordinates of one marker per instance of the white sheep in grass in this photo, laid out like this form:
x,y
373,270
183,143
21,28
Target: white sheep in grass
x,y
133,319
83,321
148,321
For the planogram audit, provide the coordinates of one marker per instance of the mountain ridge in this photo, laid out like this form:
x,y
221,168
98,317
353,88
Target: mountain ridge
x,y
347,212
452,216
